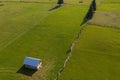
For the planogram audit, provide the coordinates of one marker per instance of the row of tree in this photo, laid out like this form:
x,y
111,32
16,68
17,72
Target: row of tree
x,y
93,2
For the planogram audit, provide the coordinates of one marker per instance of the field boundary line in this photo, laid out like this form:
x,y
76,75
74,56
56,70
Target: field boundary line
x,y
70,53
87,17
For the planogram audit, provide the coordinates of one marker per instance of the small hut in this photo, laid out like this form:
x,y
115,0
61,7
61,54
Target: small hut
x,y
32,63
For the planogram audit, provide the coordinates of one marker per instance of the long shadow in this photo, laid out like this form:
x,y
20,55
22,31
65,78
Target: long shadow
x,y
56,7
90,12
26,71
94,5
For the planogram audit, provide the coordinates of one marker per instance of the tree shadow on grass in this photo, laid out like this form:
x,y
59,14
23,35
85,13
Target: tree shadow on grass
x,y
26,71
90,12
56,7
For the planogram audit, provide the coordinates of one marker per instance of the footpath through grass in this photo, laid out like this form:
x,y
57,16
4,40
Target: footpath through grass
x,y
96,56
30,29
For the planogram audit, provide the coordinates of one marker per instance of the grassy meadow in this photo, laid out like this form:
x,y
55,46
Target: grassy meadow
x,y
96,55
32,29
107,14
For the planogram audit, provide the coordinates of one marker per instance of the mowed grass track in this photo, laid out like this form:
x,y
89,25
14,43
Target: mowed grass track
x,y
30,29
96,56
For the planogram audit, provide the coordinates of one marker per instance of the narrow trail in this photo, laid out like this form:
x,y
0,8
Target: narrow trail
x,y
70,53
88,16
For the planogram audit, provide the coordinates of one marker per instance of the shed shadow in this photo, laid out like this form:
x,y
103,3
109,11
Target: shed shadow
x,y
26,71
56,7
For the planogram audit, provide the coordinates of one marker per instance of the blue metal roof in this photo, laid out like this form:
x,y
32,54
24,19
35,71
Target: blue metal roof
x,y
32,61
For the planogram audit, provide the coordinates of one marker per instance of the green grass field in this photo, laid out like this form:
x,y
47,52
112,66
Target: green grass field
x,y
107,14
30,29
96,56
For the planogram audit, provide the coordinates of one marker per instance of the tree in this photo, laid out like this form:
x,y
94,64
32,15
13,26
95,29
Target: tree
x,y
60,2
94,5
